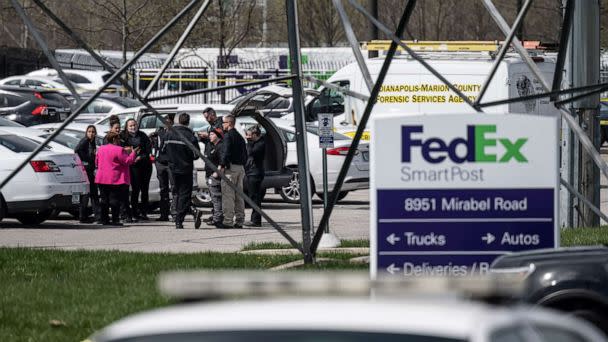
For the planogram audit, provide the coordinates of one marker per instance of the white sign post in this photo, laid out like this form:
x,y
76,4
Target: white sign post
x,y
450,193
326,140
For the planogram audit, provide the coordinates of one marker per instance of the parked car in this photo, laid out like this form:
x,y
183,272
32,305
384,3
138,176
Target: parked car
x,y
573,280
52,180
101,106
357,177
89,80
39,83
61,143
32,107
75,130
8,123
416,318
603,121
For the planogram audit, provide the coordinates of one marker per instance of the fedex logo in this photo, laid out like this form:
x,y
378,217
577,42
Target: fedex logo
x,y
476,147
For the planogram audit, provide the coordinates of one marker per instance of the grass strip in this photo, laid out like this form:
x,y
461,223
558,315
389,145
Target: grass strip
x,y
82,291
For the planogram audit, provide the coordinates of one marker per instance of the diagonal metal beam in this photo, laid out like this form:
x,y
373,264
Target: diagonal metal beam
x,y
102,62
177,47
503,51
333,199
109,81
395,38
586,143
582,198
597,88
342,90
232,86
582,96
504,27
354,44
49,55
563,47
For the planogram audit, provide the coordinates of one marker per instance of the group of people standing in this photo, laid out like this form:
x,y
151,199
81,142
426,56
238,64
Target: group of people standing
x,y
238,161
125,159
122,162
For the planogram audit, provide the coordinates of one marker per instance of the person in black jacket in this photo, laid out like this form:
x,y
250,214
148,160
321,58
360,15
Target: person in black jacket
x,y
232,163
161,161
181,163
141,171
86,150
254,170
213,151
214,121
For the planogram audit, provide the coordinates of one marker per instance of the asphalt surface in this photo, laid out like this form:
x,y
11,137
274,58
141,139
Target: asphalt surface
x,y
350,220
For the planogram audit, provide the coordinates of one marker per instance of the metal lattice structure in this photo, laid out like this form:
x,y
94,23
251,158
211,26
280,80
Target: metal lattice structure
x,y
310,237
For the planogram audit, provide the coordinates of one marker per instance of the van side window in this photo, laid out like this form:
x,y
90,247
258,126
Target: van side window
x,y
329,101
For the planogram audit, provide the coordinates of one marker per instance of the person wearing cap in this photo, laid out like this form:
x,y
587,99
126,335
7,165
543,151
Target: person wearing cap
x,y
182,149
213,151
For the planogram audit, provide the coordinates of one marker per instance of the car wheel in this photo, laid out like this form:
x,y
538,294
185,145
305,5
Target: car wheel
x,y
34,218
291,192
594,317
202,198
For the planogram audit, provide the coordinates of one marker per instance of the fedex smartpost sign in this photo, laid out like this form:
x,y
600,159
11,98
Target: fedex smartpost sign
x,y
450,193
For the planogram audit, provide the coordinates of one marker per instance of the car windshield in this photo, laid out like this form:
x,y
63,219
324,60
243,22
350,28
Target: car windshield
x,y
64,139
292,336
9,123
17,144
127,102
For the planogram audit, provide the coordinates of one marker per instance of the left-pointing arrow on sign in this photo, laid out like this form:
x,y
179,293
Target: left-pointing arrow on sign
x,y
392,239
392,269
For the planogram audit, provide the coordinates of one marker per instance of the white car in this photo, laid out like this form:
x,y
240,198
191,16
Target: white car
x,y
52,180
357,177
89,80
440,317
38,82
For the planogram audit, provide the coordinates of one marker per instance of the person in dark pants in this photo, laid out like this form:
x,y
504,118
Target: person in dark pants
x,y
213,152
113,176
161,161
181,164
86,151
254,171
141,171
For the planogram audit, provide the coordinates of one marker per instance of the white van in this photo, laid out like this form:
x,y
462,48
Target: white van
x,y
410,88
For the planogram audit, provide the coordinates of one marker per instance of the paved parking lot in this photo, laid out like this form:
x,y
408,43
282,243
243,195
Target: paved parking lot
x,y
350,220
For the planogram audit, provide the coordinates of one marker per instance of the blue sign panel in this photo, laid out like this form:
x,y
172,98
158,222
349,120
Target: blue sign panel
x,y
450,193
460,228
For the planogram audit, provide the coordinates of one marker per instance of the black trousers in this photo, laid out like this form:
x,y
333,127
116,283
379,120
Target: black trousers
x,y
183,190
111,197
93,195
165,182
140,183
254,189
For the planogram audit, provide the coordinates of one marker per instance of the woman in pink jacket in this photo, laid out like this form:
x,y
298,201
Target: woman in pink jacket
x,y
113,177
